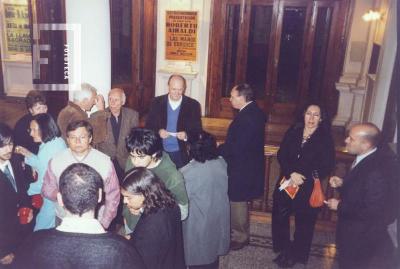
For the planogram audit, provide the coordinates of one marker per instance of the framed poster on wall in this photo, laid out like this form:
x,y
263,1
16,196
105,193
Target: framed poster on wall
x,y
181,35
17,32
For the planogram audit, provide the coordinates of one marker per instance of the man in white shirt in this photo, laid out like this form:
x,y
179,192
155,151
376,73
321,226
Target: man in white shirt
x,y
365,208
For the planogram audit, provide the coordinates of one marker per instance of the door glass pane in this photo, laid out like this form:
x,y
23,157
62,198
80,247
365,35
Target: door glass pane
x,y
258,46
321,40
230,48
121,41
290,53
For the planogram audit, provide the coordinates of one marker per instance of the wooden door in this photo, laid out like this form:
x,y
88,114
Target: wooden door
x,y
283,48
52,73
133,40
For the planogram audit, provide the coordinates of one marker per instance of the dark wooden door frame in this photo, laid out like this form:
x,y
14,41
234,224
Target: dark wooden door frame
x,y
336,46
140,91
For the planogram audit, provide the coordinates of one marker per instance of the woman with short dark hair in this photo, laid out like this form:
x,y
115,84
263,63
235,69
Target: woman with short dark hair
x,y
158,234
45,131
206,237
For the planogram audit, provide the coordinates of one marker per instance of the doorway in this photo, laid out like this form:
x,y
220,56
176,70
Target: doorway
x,y
290,51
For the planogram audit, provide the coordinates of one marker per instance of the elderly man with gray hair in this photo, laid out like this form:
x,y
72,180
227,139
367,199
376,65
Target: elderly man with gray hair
x,y
83,100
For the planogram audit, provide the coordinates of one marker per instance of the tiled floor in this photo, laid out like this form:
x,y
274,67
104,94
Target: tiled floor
x,y
259,254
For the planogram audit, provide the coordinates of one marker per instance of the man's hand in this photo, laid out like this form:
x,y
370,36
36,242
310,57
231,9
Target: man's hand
x,y
332,203
7,259
163,133
335,182
100,102
297,179
181,135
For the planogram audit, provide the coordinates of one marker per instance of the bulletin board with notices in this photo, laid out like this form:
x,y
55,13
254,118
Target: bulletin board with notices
x,y
181,35
16,23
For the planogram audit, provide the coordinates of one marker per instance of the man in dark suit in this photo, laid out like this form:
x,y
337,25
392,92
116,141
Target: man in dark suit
x,y
365,206
13,197
175,117
243,151
121,121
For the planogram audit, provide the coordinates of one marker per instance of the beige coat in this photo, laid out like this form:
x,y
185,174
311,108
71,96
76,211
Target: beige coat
x,y
73,112
130,119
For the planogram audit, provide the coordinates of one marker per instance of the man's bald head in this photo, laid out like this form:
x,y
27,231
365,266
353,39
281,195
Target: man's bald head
x,y
370,132
116,99
362,138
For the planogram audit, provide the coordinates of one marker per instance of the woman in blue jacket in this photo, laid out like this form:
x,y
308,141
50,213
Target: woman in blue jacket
x,y
44,130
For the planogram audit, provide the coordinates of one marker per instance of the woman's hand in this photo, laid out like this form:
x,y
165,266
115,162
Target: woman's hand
x,y
23,151
297,179
8,259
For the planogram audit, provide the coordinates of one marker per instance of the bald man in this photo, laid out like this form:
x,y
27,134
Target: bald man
x,y
121,121
175,117
366,200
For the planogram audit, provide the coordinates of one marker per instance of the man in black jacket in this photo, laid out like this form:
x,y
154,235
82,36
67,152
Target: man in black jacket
x,y
80,241
13,197
243,151
366,202
175,117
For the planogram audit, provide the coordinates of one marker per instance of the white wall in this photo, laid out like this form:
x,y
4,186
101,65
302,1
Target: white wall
x,y
94,63
194,72
385,69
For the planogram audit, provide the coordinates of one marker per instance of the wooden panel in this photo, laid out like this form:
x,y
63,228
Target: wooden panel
x,y
49,11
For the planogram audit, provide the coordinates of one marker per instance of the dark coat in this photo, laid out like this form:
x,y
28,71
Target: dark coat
x,y
243,151
158,239
189,119
318,153
362,227
11,231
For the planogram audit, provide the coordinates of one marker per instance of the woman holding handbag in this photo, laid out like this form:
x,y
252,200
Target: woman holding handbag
x,y
307,150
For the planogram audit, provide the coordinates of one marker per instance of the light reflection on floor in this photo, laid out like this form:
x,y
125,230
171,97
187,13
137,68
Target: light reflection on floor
x,y
259,254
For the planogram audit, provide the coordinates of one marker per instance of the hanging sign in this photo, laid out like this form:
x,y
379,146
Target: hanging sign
x,y
16,21
181,35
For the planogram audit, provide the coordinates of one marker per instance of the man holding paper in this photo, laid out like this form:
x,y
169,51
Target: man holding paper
x,y
175,117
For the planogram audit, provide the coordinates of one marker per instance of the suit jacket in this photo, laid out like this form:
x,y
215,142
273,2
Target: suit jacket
x,y
129,119
362,228
318,153
11,231
72,112
189,119
243,151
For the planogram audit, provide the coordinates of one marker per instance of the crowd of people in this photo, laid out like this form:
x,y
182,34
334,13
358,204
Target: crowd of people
x,y
98,191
